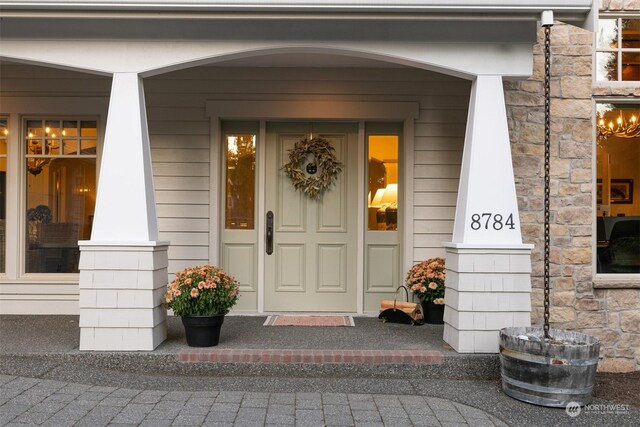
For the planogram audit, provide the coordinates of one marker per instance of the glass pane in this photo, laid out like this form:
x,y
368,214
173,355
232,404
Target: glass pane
x,y
606,66
34,146
88,146
4,132
631,33
607,36
52,146
69,128
617,188
69,146
631,66
60,206
240,179
3,212
383,182
88,128
34,129
52,129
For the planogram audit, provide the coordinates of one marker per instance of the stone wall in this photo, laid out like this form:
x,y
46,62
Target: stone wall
x,y
577,303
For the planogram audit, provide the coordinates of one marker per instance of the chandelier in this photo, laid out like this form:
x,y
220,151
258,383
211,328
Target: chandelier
x,y
622,127
36,164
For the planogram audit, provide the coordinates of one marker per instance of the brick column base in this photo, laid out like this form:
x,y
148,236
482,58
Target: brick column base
x,y
121,293
487,289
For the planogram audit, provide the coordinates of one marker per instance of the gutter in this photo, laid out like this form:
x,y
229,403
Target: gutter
x,y
577,12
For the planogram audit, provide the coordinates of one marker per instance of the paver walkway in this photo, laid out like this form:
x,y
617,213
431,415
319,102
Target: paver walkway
x,y
57,403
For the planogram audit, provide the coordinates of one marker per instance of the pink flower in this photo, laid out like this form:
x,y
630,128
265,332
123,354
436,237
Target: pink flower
x,y
201,285
188,281
438,301
433,285
194,292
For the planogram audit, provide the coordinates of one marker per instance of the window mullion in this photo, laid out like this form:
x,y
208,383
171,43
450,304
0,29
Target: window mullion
x,y
619,48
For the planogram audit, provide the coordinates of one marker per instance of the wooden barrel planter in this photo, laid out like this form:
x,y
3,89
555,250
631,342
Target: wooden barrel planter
x,y
548,373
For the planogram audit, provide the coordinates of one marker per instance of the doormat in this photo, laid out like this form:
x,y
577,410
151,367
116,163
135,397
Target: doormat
x,y
288,320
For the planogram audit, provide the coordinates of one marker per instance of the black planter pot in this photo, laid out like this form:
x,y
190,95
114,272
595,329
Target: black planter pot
x,y
433,313
548,373
203,331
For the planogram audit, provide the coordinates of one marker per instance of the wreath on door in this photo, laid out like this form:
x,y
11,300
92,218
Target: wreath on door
x,y
321,172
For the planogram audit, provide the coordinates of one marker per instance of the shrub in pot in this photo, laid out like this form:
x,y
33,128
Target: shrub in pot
x,y
202,295
426,281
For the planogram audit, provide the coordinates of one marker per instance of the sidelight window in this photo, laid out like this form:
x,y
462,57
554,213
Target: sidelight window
x,y
383,182
240,177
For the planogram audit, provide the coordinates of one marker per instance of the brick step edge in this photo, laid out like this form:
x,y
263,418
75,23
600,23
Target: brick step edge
x,y
359,357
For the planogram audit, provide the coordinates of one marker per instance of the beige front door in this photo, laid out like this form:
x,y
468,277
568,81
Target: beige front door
x,y
313,263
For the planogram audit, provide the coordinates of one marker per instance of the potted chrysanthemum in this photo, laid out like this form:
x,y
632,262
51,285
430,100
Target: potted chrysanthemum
x,y
426,281
202,295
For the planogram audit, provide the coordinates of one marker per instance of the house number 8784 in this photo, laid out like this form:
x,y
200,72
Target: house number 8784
x,y
488,220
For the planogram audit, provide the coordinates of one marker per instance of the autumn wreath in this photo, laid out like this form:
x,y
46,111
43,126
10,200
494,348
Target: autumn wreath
x,y
321,173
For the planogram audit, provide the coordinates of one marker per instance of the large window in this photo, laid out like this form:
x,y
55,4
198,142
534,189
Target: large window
x,y
60,168
4,132
618,188
618,49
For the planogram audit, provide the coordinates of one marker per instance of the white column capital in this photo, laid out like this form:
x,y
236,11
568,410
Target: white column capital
x,y
487,208
125,206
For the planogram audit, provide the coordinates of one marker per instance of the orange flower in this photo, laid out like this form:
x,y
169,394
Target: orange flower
x,y
433,285
194,292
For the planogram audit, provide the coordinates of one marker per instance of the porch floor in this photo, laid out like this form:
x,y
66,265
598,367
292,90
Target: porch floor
x,y
370,348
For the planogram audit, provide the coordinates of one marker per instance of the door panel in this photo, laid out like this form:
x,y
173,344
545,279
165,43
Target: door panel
x,y
332,268
290,276
313,264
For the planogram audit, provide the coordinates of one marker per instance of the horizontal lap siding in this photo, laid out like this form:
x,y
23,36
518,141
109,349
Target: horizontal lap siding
x,y
439,140
179,132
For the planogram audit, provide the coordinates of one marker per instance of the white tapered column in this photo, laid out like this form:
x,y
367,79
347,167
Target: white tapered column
x,y
488,280
123,268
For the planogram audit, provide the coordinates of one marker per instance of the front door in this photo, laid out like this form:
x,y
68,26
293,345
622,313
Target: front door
x,y
313,263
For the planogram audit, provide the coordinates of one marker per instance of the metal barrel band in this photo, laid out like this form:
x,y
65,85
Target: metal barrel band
x,y
549,390
544,360
545,401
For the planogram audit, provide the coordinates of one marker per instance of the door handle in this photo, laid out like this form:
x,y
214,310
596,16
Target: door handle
x,y
269,233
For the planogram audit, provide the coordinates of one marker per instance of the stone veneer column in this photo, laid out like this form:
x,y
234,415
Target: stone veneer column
x,y
488,282
121,294
123,268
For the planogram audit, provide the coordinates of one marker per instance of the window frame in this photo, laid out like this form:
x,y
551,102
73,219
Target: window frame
x,y
618,50
22,171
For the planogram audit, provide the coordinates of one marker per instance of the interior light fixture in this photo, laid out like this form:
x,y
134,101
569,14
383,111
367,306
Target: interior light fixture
x,y
621,127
